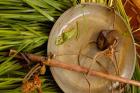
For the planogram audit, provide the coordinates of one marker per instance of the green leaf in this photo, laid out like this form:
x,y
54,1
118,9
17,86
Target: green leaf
x,y
39,10
53,3
65,36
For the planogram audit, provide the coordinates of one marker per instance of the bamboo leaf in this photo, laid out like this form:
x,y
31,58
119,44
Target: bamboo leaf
x,y
53,3
39,10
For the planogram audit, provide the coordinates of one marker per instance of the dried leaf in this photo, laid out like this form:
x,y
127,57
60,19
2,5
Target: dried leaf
x,y
43,70
28,87
32,85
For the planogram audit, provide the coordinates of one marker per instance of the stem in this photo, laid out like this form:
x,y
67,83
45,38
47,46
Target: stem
x,y
31,72
80,69
32,57
72,67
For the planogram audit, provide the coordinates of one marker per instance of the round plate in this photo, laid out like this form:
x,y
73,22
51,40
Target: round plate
x,y
72,40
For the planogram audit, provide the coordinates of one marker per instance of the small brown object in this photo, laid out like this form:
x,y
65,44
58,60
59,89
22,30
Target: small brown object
x,y
105,39
43,70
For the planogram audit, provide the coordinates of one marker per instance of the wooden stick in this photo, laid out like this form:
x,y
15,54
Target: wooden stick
x,y
72,67
80,69
32,57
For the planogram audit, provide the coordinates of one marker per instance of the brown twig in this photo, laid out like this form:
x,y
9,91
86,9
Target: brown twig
x,y
32,57
72,67
80,69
